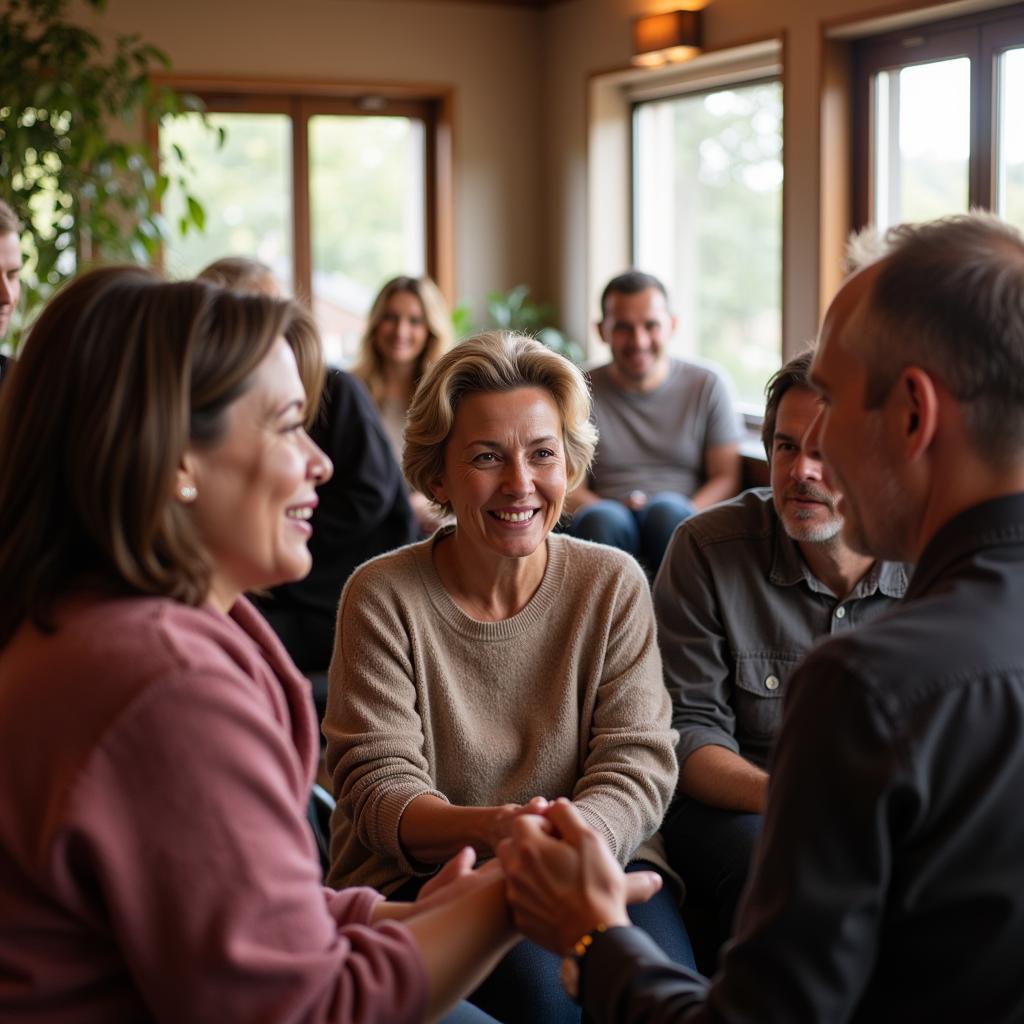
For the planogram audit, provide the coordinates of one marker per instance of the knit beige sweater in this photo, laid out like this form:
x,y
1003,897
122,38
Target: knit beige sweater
x,y
563,699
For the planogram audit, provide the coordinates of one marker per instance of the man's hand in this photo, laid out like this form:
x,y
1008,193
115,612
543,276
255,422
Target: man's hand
x,y
561,887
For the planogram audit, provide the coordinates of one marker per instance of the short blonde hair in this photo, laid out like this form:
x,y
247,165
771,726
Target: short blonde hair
x,y
495,361
369,367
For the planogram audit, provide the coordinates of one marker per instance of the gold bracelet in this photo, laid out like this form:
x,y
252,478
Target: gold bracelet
x,y
571,964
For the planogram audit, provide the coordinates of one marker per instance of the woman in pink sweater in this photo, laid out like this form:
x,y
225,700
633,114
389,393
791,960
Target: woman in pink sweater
x,y
156,743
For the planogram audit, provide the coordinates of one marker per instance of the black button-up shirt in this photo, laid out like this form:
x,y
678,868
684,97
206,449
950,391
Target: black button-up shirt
x,y
888,883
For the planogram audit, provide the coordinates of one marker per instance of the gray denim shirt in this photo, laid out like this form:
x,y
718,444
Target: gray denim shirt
x,y
737,609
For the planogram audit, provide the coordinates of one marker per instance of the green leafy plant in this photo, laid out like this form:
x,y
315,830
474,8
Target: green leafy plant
x,y
71,164
513,311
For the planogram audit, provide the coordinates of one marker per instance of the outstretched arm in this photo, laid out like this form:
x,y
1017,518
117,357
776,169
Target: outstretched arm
x,y
461,925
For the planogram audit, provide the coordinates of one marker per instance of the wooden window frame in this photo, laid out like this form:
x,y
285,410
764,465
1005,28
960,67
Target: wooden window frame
x,y
751,414
302,100
982,37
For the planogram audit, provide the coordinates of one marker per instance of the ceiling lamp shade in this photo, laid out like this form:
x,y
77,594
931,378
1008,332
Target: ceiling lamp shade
x,y
664,38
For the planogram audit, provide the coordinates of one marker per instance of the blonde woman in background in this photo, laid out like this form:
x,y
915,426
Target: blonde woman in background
x,y
409,329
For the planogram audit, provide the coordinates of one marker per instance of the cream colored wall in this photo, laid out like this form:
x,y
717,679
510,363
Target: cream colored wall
x,y
588,37
489,56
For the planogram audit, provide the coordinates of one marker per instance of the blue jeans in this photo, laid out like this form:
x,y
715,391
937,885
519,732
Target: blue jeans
x,y
711,849
644,532
467,1013
525,987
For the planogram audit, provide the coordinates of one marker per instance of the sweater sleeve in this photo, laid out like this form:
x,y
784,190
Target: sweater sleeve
x,y
630,771
189,840
375,744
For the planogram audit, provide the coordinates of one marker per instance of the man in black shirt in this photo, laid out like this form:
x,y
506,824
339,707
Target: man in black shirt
x,y
888,884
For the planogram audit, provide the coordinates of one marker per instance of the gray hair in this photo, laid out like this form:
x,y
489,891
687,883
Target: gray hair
x,y
949,297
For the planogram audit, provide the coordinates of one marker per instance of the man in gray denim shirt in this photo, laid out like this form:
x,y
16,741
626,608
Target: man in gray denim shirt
x,y
745,590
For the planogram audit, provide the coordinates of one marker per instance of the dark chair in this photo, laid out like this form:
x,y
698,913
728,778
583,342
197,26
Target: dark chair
x,y
321,805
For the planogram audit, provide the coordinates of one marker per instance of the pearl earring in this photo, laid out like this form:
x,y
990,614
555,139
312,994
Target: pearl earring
x,y
187,492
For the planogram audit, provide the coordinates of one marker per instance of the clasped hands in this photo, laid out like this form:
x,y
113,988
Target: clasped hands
x,y
561,880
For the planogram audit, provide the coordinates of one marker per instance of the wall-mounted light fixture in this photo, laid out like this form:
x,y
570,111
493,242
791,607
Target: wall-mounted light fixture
x,y
664,38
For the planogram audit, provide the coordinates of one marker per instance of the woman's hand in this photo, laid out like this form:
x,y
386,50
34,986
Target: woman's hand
x,y
457,878
432,830
458,867
561,883
499,824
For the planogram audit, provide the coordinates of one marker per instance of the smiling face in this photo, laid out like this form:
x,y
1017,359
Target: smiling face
x,y
504,471
637,328
807,506
256,486
10,281
402,332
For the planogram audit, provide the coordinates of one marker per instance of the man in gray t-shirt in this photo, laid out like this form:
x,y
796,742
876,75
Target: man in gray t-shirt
x,y
668,435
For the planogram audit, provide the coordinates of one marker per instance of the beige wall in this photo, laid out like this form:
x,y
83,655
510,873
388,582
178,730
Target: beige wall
x,y
489,56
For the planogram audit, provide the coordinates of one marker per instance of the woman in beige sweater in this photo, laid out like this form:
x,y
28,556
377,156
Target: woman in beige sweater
x,y
484,672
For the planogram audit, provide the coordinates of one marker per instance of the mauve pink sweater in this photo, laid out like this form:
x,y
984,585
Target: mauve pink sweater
x,y
155,862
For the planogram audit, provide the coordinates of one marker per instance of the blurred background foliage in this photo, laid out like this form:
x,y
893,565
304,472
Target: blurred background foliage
x,y
71,163
514,311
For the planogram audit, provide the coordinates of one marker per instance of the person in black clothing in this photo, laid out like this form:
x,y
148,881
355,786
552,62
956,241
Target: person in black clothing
x,y
888,883
364,511
364,508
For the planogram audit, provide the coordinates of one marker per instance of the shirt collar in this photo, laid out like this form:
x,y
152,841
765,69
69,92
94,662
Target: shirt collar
x,y
993,523
789,568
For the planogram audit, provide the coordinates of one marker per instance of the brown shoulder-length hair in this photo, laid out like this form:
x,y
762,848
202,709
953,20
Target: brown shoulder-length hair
x,y
369,367
118,376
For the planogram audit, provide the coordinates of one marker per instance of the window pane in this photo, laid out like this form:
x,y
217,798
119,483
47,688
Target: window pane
x,y
708,222
1010,138
922,141
244,186
367,201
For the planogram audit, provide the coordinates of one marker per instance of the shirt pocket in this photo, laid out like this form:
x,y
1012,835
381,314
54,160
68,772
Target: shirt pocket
x,y
759,688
